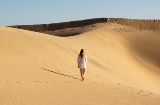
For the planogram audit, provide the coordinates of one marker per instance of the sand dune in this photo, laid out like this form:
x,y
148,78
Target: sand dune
x,y
40,69
80,26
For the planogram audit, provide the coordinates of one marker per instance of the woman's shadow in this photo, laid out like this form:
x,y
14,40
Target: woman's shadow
x,y
59,73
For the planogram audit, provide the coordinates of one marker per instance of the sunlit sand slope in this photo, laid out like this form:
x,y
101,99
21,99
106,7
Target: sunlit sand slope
x,y
40,69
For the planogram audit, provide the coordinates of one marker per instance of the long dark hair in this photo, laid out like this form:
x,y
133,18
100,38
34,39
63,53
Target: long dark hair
x,y
82,53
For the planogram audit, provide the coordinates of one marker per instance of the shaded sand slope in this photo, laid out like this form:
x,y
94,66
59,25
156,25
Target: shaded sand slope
x,y
39,69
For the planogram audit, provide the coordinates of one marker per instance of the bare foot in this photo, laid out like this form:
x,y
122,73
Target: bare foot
x,y
82,79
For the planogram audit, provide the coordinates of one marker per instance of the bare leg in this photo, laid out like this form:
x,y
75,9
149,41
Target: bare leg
x,y
81,71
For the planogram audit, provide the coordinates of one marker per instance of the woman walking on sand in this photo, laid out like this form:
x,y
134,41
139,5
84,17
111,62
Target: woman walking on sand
x,y
82,61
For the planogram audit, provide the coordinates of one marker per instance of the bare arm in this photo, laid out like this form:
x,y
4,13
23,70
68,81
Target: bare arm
x,y
78,59
86,59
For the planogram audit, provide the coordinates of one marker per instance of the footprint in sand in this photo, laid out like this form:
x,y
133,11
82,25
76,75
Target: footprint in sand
x,y
97,75
18,82
64,75
37,82
129,87
151,93
44,69
140,90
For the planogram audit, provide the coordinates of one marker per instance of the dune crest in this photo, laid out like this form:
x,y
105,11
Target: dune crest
x,y
80,26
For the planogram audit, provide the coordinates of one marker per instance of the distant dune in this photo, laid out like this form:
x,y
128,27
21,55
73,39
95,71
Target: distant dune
x,y
40,69
59,29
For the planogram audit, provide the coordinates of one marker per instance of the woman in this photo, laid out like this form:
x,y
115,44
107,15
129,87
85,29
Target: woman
x,y
82,61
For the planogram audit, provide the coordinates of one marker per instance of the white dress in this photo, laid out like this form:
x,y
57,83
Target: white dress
x,y
82,62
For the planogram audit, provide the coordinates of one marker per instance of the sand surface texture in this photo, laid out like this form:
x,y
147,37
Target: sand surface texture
x,y
39,69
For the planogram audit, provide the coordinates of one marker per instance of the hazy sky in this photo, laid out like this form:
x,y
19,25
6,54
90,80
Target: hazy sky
x,y
16,12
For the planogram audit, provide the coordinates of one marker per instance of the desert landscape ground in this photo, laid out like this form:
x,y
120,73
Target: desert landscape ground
x,y
38,63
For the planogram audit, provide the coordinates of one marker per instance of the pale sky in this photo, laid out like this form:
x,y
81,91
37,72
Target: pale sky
x,y
23,12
